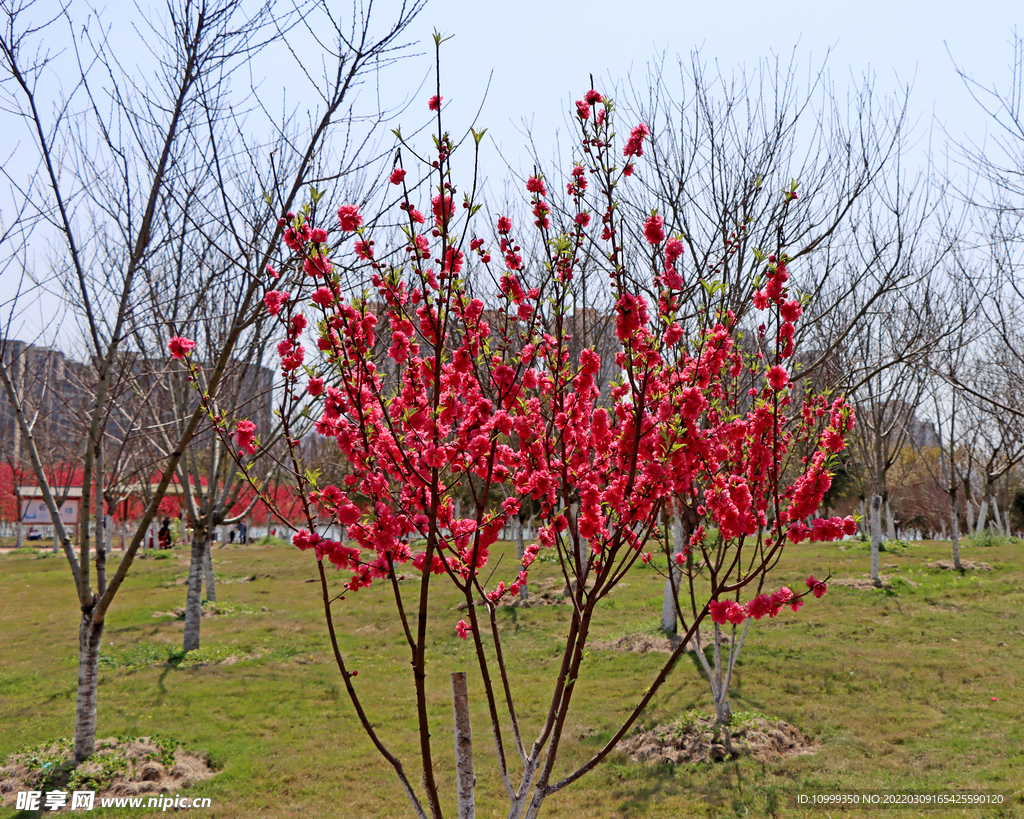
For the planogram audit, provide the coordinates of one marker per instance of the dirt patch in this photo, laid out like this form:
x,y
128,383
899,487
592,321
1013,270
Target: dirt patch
x,y
123,766
654,643
865,583
969,565
227,581
208,610
694,741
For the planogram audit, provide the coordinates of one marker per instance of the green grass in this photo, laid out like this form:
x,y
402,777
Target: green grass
x,y
896,685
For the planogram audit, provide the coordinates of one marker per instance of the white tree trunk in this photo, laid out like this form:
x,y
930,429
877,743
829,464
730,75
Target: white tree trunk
x,y
466,780
524,592
668,605
211,581
194,598
876,536
954,523
890,523
979,527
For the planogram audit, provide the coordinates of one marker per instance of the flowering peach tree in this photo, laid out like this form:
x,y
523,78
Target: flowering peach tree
x,y
428,388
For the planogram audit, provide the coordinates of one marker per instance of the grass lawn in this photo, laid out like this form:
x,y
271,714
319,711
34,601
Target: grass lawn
x,y
917,688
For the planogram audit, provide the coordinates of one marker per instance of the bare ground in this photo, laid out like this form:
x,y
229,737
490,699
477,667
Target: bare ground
x,y
970,565
131,766
654,643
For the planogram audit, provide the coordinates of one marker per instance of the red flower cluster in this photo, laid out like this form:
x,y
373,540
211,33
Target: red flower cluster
x,y
350,218
245,433
635,145
180,347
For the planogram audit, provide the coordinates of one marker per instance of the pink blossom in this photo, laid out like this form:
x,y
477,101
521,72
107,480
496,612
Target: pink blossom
x,y
317,266
816,586
453,261
593,97
654,229
350,218
674,248
245,432
322,296
462,629
397,176
832,441
318,235
759,606
790,310
582,109
422,248
635,144
180,346
315,386
274,299
304,539
778,377
364,250
536,185
727,611
504,224
582,219
435,103
443,208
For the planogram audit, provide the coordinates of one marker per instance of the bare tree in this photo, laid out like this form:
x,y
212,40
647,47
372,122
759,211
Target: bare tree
x,y
110,149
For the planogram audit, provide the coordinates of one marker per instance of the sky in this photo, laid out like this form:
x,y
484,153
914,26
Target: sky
x,y
542,53
522,64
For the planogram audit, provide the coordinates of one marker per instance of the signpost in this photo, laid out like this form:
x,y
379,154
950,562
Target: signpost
x,y
35,513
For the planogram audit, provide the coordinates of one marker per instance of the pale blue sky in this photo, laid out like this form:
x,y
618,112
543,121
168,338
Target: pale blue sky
x,y
541,54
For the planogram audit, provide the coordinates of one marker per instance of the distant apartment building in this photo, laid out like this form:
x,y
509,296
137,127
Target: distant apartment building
x,y
57,394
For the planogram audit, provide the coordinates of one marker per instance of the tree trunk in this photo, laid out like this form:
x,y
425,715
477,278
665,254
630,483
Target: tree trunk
x,y
524,592
668,606
876,536
89,636
194,599
463,748
211,581
890,522
954,523
994,505
979,527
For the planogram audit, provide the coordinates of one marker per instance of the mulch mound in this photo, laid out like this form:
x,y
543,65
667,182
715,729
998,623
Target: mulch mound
x,y
865,583
970,565
130,766
693,742
654,643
